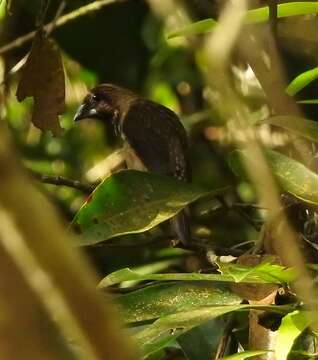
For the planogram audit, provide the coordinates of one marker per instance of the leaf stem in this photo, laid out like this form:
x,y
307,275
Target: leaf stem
x,y
60,180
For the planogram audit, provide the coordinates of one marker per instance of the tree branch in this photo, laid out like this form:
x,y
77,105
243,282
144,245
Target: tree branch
x,y
60,180
73,15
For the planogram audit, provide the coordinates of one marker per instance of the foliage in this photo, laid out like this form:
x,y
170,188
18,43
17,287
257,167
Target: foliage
x,y
179,302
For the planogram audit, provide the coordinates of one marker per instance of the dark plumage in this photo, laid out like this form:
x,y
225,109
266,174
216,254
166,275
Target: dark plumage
x,y
153,132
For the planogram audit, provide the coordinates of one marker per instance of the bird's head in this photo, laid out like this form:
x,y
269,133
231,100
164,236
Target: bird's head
x,y
106,102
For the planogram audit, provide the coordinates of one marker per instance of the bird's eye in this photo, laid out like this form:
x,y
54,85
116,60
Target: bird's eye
x,y
96,97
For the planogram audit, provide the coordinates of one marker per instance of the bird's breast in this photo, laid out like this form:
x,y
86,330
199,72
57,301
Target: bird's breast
x,y
132,159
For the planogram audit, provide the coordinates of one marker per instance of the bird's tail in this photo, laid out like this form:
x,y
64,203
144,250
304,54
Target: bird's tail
x,y
181,228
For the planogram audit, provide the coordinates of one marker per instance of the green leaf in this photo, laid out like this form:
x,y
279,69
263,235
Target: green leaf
x,y
283,10
245,355
162,331
292,176
156,301
168,328
302,81
293,324
308,101
201,342
263,274
252,16
300,126
151,268
270,273
131,202
198,27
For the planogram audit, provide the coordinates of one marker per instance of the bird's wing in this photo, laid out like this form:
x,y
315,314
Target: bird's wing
x,y
158,138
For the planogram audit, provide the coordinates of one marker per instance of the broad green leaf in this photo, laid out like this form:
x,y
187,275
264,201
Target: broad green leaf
x,y
300,126
156,301
245,355
263,274
163,330
302,81
252,16
131,202
293,324
129,275
292,176
201,342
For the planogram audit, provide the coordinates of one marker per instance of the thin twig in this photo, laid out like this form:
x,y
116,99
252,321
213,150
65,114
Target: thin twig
x,y
225,338
73,15
50,27
60,180
273,16
17,67
42,14
58,14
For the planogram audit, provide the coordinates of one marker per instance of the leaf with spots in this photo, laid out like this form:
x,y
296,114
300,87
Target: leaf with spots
x,y
43,79
129,202
159,300
292,176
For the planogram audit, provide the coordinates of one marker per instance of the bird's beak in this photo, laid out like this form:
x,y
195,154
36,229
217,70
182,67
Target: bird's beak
x,y
84,111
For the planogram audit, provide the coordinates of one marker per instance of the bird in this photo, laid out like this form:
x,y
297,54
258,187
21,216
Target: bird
x,y
154,135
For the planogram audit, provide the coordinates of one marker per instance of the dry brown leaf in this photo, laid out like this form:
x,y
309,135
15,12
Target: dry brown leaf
x,y
43,79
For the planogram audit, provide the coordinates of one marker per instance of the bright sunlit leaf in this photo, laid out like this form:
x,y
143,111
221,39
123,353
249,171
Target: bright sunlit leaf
x,y
270,273
292,326
263,273
301,81
295,8
252,16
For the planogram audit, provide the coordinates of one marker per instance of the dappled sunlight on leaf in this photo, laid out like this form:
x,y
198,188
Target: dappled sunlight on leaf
x,y
293,324
159,300
131,202
292,176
